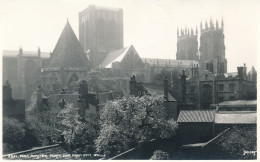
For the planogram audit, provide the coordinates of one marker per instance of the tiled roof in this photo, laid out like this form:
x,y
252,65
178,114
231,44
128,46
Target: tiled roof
x,y
236,117
194,116
113,56
68,52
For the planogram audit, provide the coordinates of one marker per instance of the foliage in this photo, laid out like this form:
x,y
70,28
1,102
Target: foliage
x,y
160,155
130,120
13,134
44,128
52,87
78,132
238,140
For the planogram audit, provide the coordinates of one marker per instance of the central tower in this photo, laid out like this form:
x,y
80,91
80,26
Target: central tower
x,y
100,31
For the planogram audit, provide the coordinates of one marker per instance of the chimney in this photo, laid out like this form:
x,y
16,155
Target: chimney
x,y
132,84
183,87
7,91
240,72
166,88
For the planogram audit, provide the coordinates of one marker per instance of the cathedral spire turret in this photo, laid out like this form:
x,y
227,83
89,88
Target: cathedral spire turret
x,y
201,27
196,30
178,32
222,24
39,52
206,25
211,23
216,24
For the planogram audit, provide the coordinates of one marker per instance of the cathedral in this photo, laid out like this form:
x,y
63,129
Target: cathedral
x,y
211,55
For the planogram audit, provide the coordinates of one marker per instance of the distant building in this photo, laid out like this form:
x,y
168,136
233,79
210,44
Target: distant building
x,y
13,108
100,32
22,69
212,48
209,88
187,45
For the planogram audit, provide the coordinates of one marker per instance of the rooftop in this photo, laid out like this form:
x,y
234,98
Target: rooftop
x,y
194,116
236,117
68,52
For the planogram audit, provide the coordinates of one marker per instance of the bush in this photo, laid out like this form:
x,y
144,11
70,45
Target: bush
x,y
130,120
13,134
160,155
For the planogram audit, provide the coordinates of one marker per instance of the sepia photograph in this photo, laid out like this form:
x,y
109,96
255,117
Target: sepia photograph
x,y
129,79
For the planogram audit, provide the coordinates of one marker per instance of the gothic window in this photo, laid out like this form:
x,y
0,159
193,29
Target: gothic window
x,y
101,32
73,79
206,92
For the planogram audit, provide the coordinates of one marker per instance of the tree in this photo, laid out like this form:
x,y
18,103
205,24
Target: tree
x,y
238,140
43,128
13,134
130,120
78,132
160,155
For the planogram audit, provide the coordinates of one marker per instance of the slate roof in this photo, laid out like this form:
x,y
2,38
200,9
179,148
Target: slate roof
x,y
114,56
68,52
236,117
195,116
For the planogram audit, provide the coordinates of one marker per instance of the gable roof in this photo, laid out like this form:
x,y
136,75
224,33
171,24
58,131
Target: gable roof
x,y
194,116
114,56
68,52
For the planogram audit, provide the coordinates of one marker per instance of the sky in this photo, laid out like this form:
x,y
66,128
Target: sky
x,y
149,25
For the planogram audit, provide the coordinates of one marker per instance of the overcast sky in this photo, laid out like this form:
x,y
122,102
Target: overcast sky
x,y
151,26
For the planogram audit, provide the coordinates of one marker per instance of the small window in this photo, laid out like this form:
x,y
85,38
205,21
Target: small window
x,y
231,87
221,87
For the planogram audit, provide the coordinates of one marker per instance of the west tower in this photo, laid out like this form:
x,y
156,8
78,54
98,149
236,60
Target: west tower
x,y
187,45
100,31
212,48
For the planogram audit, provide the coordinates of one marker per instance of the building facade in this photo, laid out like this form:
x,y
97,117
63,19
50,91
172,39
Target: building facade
x,y
209,88
22,69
